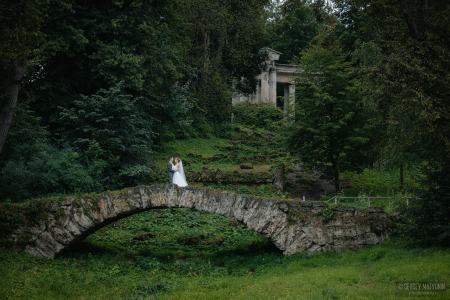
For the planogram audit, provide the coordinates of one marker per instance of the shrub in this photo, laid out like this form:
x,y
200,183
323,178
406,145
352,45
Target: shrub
x,y
111,128
48,170
257,115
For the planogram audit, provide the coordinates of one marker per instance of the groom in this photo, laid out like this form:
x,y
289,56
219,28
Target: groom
x,y
169,169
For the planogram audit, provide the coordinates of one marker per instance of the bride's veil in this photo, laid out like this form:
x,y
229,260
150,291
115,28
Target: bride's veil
x,y
181,170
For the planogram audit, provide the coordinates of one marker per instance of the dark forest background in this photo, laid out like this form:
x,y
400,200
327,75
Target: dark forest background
x,y
93,88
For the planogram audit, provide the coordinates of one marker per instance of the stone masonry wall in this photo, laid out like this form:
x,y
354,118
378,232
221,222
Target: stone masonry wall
x,y
291,225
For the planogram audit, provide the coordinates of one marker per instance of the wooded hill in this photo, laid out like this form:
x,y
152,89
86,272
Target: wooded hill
x,y
94,89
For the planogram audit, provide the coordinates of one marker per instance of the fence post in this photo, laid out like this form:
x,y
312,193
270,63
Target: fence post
x,y
407,203
303,198
335,200
368,198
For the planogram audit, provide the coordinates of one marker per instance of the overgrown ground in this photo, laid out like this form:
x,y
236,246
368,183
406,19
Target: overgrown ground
x,y
186,254
147,256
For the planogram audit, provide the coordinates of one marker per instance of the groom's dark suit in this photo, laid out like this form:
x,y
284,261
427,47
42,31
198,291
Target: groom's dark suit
x,y
170,172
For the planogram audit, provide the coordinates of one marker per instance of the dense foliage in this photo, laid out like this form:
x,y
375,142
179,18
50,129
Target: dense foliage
x,y
329,128
291,28
110,81
222,43
94,88
258,116
403,62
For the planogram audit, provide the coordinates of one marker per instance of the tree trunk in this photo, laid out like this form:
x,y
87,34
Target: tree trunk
x,y
409,19
337,182
16,73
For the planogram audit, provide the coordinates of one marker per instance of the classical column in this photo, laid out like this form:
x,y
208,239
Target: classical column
x,y
286,99
291,95
237,97
254,98
292,99
273,87
265,87
258,93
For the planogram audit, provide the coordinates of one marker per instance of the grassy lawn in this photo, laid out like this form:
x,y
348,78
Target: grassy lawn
x,y
369,274
372,273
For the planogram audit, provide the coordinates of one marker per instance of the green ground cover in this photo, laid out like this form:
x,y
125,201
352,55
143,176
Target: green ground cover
x,y
181,148
113,264
382,182
257,142
379,183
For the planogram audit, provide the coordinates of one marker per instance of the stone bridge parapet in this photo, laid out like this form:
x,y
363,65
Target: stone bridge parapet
x,y
292,226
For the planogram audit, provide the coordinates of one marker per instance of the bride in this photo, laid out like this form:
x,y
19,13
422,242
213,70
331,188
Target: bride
x,y
179,178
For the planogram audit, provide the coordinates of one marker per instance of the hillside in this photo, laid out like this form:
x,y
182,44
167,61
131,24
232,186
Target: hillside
x,y
245,163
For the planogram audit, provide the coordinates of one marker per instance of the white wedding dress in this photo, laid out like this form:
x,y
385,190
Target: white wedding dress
x,y
179,178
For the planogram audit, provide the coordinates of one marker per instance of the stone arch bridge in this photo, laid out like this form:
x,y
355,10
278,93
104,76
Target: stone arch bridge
x,y
292,226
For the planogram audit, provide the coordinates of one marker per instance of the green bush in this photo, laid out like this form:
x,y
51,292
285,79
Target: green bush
x,y
257,115
48,170
112,129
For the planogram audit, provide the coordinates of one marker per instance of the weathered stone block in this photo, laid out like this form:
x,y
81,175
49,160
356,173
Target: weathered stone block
x,y
51,206
61,235
319,205
306,204
314,249
334,223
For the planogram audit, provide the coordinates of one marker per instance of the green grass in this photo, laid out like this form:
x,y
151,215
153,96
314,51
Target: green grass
x,y
382,183
368,274
378,183
181,148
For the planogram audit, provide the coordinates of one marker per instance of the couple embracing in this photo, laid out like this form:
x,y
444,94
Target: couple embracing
x,y
176,172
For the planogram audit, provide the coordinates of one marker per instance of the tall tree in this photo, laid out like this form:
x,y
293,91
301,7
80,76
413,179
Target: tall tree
x,y
407,77
351,22
330,130
20,32
292,27
97,44
406,70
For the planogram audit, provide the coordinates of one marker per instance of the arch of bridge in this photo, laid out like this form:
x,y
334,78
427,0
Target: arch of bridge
x,y
292,226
